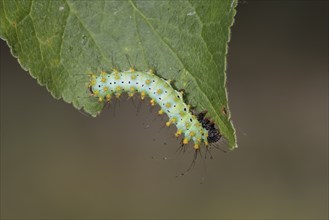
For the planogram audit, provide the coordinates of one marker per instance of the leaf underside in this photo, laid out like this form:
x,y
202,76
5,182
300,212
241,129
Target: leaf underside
x,y
61,42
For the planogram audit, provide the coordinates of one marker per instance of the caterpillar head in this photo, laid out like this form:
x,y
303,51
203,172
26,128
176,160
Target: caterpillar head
x,y
213,133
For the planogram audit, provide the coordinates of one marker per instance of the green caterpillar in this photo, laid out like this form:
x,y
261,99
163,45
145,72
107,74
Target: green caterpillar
x,y
194,128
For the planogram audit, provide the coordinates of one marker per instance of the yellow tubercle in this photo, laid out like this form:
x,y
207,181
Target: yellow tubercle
x,y
179,132
168,104
185,141
152,101
143,95
160,112
187,125
130,94
100,99
159,91
118,88
117,76
92,82
173,120
105,88
131,69
93,76
147,82
117,95
103,73
206,143
115,70
151,71
96,92
103,79
196,146
133,77
192,134
108,97
132,89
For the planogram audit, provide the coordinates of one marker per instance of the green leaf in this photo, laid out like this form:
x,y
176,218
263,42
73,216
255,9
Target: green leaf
x,y
60,42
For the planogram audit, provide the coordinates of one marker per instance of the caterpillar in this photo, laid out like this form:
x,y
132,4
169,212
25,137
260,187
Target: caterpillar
x,y
194,127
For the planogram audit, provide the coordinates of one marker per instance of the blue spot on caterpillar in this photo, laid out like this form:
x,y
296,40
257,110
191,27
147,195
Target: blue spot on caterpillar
x,y
194,128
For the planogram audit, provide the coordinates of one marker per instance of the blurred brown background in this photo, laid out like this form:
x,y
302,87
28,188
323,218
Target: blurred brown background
x,y
58,163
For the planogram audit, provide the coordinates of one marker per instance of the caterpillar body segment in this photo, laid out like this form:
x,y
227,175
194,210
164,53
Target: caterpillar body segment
x,y
160,92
